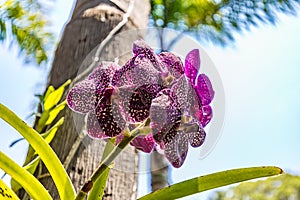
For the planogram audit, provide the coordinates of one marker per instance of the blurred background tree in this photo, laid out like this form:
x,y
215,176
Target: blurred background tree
x,y
23,23
282,187
215,21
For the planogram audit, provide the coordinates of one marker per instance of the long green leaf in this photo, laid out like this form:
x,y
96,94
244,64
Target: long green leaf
x,y
34,188
30,167
7,193
210,181
55,111
48,156
99,186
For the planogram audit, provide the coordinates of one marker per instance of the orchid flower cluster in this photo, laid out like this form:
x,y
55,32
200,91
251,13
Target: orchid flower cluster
x,y
159,87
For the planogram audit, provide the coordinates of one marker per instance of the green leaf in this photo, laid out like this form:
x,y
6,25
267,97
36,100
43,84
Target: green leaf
x,y
46,153
2,30
54,97
32,186
49,135
30,167
54,112
7,193
99,186
42,121
211,181
50,89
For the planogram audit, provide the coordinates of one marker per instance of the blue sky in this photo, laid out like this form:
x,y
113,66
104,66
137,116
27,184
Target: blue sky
x,y
260,78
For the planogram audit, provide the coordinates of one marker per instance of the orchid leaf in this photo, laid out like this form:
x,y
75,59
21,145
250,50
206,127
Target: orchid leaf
x,y
32,186
55,96
30,167
54,112
43,149
211,181
6,192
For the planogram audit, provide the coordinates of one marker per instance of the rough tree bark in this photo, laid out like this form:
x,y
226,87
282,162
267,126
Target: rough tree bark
x,y
91,22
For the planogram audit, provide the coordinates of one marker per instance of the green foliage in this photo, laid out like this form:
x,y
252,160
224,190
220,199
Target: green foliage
x,y
6,193
32,166
210,181
282,187
50,106
32,186
36,151
24,21
43,149
216,21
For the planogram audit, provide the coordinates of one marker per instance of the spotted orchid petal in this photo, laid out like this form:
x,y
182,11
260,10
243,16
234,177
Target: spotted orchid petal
x,y
134,103
144,143
181,93
176,149
204,89
106,120
83,96
192,65
141,47
144,73
206,116
165,117
139,70
197,138
94,129
173,64
123,75
104,72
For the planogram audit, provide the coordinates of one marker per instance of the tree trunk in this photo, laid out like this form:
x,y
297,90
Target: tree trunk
x,y
91,22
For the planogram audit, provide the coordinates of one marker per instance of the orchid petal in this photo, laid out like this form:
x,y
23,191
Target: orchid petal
x,y
180,92
173,63
176,150
110,120
104,72
164,116
132,105
196,139
204,89
94,129
141,47
192,65
144,143
206,116
144,73
83,96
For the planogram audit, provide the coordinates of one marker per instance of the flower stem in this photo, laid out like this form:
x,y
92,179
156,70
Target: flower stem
x,y
108,160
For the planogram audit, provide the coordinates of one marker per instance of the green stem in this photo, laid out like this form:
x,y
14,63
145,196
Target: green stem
x,y
107,161
59,175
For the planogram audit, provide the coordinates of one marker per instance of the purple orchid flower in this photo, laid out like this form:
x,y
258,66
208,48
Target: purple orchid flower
x,y
179,114
95,96
159,86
